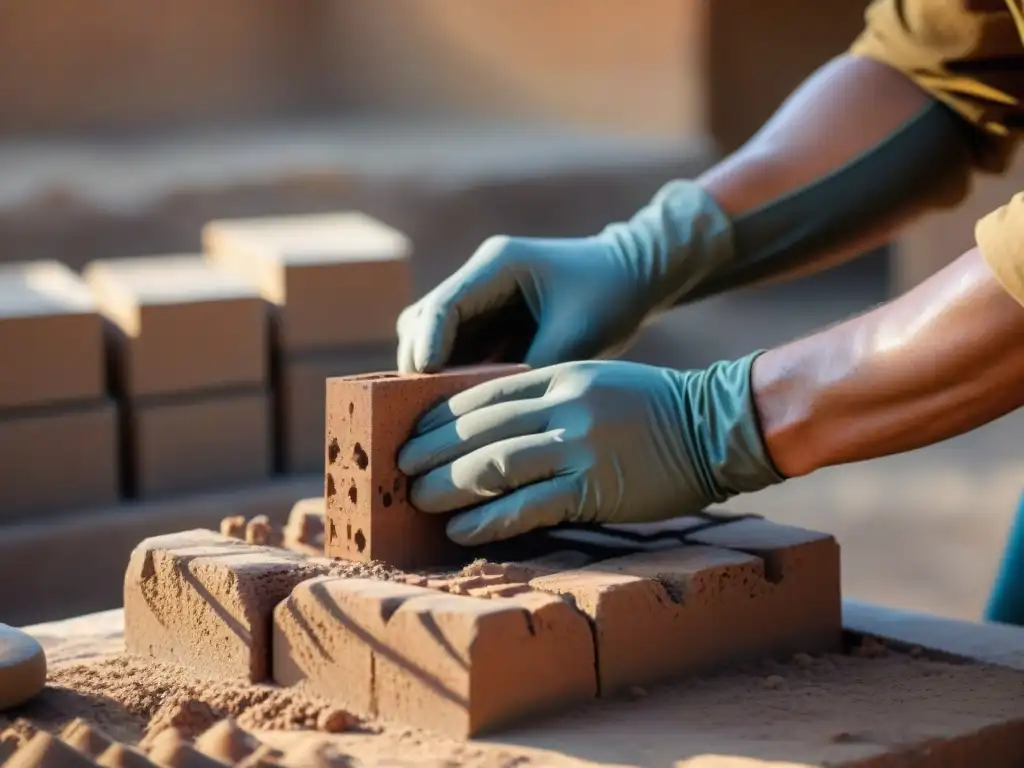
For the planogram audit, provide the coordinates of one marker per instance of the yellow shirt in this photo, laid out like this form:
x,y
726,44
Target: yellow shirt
x,y
969,54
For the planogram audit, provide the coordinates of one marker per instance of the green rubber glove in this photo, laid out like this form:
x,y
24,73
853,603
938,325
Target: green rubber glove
x,y
584,297
587,442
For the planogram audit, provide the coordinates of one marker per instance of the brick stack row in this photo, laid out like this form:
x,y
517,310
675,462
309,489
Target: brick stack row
x,y
174,374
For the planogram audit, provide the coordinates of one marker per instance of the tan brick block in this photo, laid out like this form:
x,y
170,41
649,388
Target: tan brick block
x,y
194,443
804,569
302,394
678,611
51,336
335,279
180,323
205,600
459,665
34,483
368,419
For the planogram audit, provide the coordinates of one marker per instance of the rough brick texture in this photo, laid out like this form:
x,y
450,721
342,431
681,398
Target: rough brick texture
x,y
193,443
302,392
335,279
206,600
458,665
51,333
685,610
368,419
34,483
180,323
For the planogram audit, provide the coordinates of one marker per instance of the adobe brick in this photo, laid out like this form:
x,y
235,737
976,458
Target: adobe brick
x,y
205,600
369,417
189,444
334,279
180,323
457,665
34,484
677,611
52,333
803,567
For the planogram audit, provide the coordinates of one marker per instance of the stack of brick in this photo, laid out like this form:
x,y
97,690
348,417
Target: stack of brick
x,y
58,428
188,357
336,284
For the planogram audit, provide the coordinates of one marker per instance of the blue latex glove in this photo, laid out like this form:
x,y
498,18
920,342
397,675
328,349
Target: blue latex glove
x,y
585,297
587,442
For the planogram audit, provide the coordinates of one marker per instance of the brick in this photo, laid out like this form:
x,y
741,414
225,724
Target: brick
x,y
302,393
335,279
34,483
368,419
682,611
188,444
803,567
48,325
458,665
85,737
205,601
180,323
121,756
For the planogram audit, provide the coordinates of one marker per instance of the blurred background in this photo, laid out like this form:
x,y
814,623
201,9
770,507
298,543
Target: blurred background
x,y
126,126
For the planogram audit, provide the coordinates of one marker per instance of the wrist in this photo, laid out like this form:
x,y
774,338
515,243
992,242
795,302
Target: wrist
x,y
674,243
720,430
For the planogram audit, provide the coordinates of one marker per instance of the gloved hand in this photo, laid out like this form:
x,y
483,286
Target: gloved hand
x,y
567,299
587,442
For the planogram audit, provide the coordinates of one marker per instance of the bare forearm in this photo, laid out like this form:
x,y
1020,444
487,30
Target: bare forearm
x,y
843,112
941,360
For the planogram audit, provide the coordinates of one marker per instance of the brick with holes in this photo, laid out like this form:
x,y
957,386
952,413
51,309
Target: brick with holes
x,y
692,607
205,600
458,665
369,417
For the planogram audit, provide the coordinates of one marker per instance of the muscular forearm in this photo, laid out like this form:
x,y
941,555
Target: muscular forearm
x,y
943,359
838,119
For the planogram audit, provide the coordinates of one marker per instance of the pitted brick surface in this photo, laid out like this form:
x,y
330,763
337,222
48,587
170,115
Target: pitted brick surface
x,y
205,601
368,419
454,664
686,610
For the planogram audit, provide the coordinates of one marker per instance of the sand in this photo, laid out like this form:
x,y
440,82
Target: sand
x,y
838,709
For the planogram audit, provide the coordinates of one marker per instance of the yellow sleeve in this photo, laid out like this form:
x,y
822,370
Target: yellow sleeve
x,y
967,54
1000,237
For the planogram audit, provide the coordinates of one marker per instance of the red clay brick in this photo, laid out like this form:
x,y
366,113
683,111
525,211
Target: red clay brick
x,y
52,335
206,600
335,279
180,323
458,665
368,419
689,609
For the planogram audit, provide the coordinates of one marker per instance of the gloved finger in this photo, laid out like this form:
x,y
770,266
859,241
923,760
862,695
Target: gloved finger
x,y
406,334
493,470
543,505
518,386
480,284
470,432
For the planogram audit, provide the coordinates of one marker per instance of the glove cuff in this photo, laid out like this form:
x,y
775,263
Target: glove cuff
x,y
675,242
724,432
